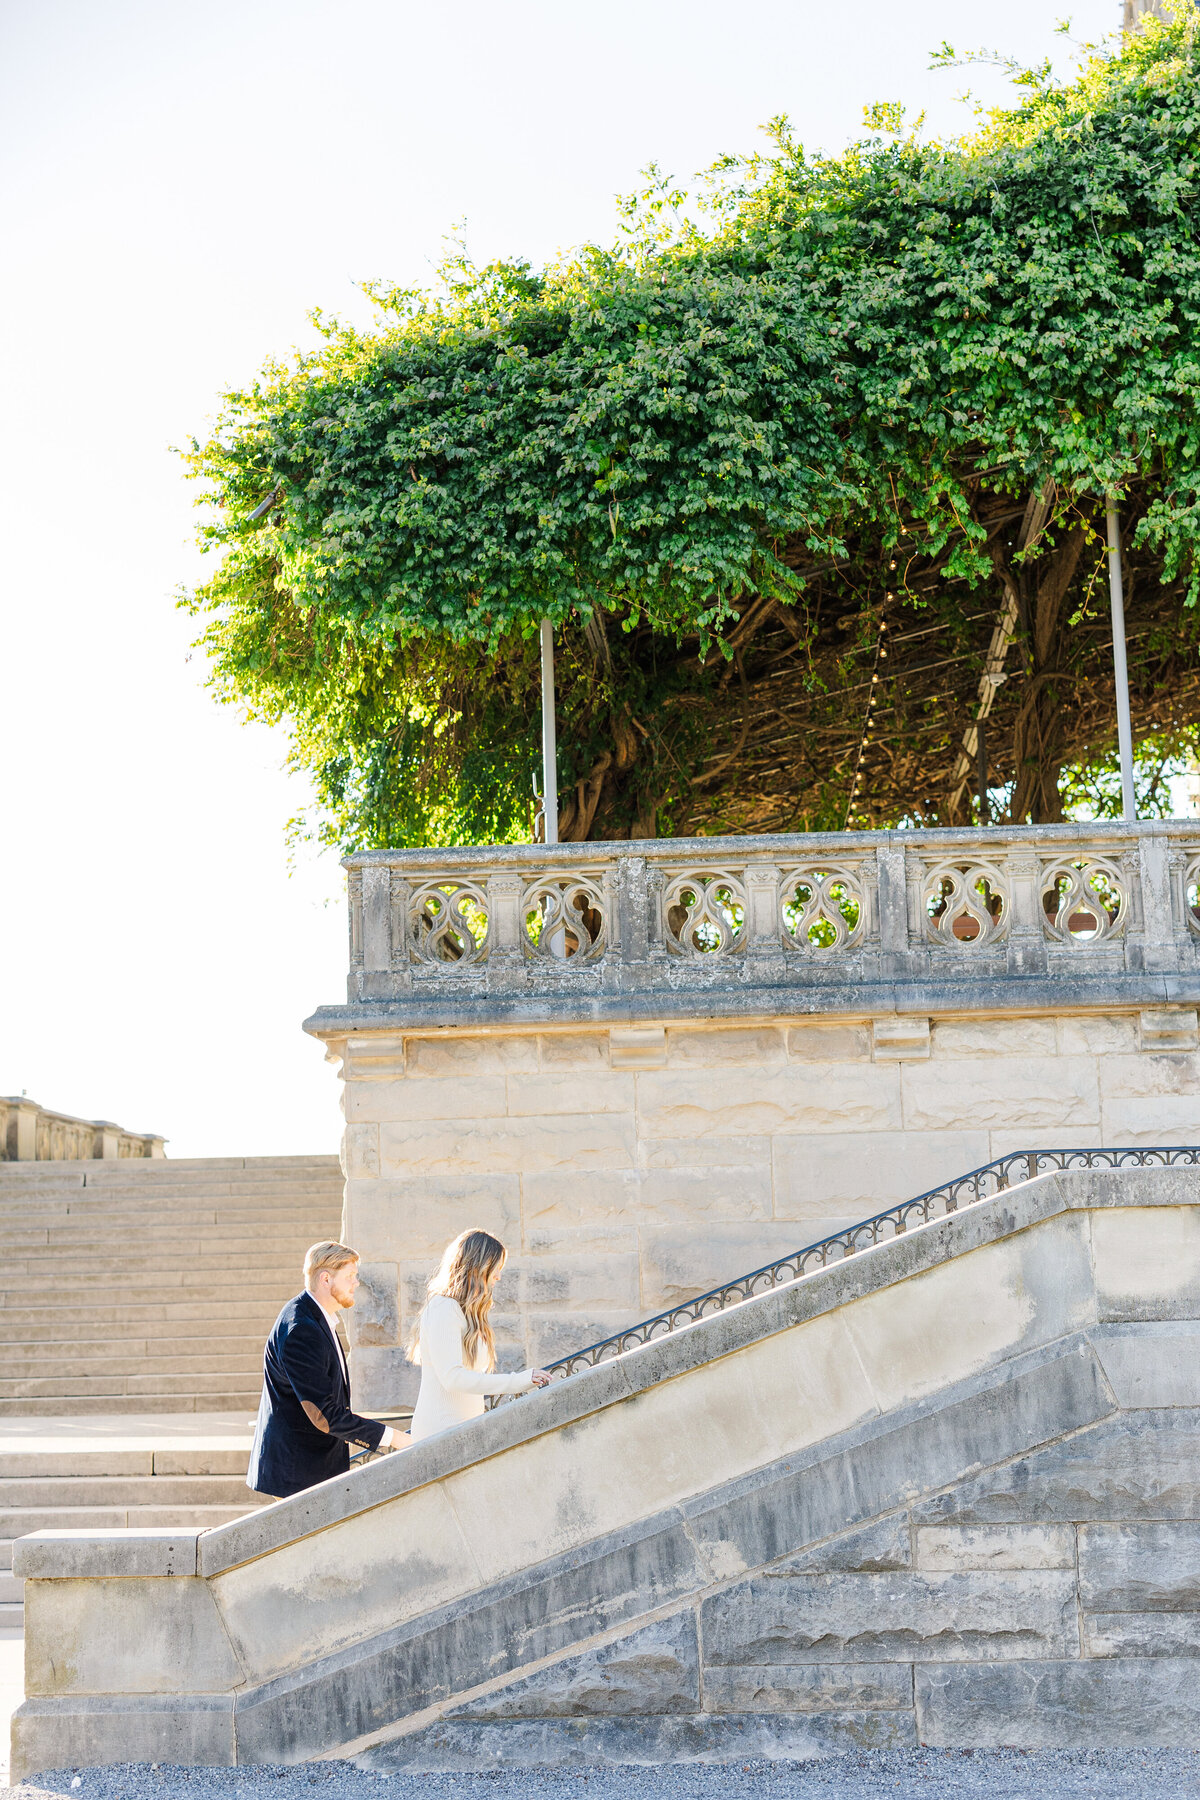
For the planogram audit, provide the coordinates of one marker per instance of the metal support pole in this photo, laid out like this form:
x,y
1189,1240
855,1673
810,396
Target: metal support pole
x,y
982,770
1117,599
549,743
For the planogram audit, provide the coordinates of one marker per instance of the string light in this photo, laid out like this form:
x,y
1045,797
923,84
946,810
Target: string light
x,y
880,654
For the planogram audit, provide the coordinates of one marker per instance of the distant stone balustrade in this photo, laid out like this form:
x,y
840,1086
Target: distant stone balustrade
x,y
30,1133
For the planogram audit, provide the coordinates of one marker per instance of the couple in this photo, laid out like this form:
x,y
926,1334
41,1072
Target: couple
x,y
306,1429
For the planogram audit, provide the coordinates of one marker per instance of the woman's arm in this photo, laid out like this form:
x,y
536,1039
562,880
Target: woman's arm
x,y
442,1349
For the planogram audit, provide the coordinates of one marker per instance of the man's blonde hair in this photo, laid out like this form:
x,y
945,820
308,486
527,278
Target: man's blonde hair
x,y
327,1256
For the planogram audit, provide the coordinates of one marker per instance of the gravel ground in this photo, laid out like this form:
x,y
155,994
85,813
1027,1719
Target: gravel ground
x,y
900,1774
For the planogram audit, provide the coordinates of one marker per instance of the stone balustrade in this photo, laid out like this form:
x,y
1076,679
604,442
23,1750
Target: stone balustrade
x,y
835,922
31,1133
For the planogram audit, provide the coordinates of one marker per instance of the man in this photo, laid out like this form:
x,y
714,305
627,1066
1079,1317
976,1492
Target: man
x,y
305,1427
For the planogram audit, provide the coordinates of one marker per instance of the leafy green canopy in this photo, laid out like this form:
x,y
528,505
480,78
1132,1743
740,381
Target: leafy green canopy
x,y
847,361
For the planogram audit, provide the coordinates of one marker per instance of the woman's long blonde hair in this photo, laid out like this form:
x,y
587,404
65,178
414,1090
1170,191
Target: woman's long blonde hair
x,y
469,1271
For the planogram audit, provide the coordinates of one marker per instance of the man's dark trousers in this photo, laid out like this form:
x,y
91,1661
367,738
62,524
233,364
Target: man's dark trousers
x,y
305,1427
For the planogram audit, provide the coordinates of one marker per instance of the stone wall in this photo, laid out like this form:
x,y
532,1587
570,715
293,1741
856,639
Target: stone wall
x,y
631,1167
945,1491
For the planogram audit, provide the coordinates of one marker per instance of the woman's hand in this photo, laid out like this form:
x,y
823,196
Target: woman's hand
x,y
540,1378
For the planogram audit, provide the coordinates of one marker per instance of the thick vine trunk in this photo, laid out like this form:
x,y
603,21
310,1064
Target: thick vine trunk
x,y
1039,736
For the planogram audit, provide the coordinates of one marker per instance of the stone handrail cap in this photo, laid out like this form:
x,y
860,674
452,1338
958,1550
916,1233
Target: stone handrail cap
x,y
62,1554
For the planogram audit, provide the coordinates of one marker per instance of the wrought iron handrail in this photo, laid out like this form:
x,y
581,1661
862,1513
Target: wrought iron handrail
x,y
977,1184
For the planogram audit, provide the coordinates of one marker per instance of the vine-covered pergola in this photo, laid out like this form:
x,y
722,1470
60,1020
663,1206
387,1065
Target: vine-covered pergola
x,y
803,487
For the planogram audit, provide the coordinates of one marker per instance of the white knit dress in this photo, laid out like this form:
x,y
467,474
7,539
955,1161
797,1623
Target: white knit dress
x,y
450,1392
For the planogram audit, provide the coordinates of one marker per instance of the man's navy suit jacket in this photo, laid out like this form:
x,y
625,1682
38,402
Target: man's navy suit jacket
x,y
305,1426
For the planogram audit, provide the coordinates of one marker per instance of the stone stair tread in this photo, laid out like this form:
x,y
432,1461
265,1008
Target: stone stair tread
x,y
224,1344
53,1385
130,1320
154,1461
18,1491
94,1368
83,1405
168,1334
18,1522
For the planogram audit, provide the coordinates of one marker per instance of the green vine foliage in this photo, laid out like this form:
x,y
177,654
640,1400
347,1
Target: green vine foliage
x,y
847,364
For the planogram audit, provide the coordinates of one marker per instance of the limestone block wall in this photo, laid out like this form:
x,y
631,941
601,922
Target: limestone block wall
x,y
629,1167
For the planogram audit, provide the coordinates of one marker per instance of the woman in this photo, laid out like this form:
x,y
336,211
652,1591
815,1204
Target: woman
x,y
452,1340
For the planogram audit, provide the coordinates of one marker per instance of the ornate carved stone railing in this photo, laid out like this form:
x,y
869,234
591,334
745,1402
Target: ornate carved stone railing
x,y
860,921
952,1196
28,1133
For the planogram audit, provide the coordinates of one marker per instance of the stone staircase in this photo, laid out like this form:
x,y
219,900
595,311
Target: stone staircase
x,y
132,1291
140,1480
149,1286
941,1491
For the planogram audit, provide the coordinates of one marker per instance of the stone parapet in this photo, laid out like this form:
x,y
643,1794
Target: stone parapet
x,y
880,922
31,1133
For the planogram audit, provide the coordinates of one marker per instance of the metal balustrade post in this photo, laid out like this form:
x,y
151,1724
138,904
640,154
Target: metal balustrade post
x,y
549,738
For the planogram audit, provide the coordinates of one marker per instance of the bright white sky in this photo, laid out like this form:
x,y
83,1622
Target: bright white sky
x,y
181,184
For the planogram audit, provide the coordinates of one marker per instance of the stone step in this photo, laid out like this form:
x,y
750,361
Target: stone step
x,y
17,1522
55,1386
168,1228
101,1171
243,1361
244,1402
137,1317
182,1194
197,1242
294,1214
12,1590
185,1283
169,1208
156,1268
28,1329
42,1353
56,1492
152,1460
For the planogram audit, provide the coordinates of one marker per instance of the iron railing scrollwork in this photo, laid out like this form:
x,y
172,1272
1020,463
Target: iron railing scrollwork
x,y
951,1197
